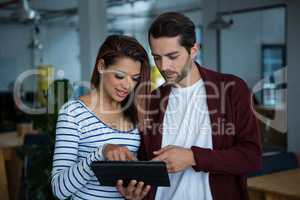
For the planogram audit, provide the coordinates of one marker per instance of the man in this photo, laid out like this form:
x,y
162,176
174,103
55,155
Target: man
x,y
202,124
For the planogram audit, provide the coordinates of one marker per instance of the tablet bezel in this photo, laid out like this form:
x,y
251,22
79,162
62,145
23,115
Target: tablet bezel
x,y
152,173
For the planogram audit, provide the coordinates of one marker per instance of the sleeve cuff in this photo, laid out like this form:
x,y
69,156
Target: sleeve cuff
x,y
202,158
98,154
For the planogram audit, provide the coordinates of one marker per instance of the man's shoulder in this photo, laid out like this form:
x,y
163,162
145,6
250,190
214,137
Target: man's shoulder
x,y
219,76
210,77
222,80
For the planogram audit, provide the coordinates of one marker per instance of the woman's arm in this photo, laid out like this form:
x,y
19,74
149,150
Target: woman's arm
x,y
69,174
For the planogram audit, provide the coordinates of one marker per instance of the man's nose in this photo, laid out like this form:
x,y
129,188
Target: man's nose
x,y
165,64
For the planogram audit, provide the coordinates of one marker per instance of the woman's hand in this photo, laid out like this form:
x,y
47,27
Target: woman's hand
x,y
117,153
134,191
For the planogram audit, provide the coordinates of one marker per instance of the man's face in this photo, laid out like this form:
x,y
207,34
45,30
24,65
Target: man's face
x,y
172,59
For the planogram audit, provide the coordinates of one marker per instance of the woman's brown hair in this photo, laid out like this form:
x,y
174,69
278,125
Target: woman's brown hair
x,y
120,46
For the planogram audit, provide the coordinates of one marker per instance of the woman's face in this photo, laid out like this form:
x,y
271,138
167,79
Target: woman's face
x,y
119,79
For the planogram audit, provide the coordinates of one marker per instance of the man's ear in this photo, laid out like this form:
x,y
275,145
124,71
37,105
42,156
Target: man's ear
x,y
194,50
101,66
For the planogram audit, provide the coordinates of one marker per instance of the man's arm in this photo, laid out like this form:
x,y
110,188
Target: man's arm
x,y
245,155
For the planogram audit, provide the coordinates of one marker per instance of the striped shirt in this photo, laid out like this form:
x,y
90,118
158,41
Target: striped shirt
x,y
80,136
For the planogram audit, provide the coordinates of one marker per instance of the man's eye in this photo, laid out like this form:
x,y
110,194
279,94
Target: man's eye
x,y
156,58
173,57
119,76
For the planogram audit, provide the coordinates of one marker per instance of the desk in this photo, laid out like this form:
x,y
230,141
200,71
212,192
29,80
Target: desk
x,y
10,166
277,186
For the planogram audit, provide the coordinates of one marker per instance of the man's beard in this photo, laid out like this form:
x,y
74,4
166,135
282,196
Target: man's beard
x,y
183,73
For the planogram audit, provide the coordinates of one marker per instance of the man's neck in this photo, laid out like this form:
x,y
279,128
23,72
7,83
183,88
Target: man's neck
x,y
192,77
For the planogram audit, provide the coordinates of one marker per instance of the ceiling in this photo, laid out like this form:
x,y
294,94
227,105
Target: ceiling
x,y
43,4
146,7
122,14
133,14
10,10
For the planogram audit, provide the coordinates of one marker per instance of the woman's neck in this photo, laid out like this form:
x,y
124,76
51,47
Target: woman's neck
x,y
101,100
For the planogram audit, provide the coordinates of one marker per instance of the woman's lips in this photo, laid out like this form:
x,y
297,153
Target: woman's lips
x,y
121,93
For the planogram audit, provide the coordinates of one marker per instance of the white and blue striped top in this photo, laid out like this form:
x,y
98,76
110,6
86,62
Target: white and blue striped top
x,y
80,136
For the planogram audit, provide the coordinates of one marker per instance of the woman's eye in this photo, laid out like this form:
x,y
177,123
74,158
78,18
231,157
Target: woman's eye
x,y
119,76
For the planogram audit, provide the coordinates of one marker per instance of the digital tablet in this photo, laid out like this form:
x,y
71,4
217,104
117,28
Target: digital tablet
x,y
152,173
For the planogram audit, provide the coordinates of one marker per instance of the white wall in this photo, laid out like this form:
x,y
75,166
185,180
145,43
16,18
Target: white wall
x,y
293,60
14,54
61,49
229,5
241,43
293,49
93,31
209,14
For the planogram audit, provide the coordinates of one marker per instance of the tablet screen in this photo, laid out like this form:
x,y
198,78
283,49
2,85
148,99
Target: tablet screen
x,y
152,173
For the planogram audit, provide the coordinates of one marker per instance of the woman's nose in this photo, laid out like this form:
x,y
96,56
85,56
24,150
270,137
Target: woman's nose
x,y
126,83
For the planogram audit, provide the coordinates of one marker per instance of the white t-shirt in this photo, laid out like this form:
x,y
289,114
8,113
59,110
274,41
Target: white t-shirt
x,y
187,123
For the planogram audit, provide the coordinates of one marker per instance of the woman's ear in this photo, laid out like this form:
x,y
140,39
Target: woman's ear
x,y
194,50
101,66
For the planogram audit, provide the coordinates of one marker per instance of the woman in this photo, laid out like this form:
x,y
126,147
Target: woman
x,y
104,123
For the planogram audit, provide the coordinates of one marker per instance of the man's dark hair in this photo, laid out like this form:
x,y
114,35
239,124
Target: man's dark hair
x,y
172,24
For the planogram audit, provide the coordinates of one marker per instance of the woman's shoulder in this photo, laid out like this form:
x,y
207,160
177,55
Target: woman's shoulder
x,y
70,107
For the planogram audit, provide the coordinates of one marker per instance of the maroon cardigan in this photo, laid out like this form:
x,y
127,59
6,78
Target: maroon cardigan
x,y
235,135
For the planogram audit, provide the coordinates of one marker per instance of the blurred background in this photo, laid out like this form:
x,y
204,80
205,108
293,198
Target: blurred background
x,y
48,50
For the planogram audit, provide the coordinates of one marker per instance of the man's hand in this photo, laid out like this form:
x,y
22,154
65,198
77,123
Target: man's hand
x,y
134,191
117,153
177,158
